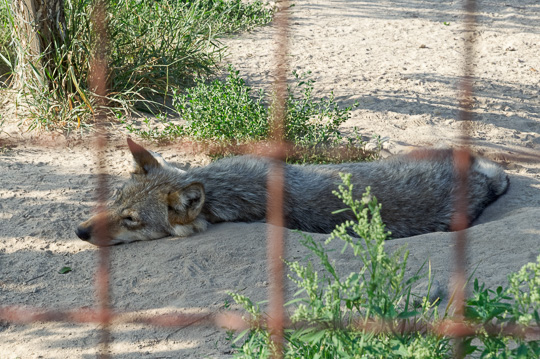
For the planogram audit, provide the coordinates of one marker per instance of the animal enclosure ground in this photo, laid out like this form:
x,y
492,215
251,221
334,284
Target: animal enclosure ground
x,y
399,59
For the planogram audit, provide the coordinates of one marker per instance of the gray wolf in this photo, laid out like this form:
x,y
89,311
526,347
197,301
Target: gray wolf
x,y
415,190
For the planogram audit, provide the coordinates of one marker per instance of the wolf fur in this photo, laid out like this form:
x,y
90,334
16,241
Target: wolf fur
x,y
416,191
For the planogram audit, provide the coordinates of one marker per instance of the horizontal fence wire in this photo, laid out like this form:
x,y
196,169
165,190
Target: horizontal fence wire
x,y
238,322
277,149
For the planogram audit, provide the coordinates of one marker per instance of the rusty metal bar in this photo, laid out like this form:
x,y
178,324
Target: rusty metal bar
x,y
275,253
265,148
462,163
98,84
276,184
234,321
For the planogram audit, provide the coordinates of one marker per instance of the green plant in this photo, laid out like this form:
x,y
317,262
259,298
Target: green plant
x,y
228,111
519,304
331,311
153,48
222,111
312,121
313,127
6,51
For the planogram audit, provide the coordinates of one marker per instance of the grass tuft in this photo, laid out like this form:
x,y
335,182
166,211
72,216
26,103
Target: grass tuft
x,y
155,47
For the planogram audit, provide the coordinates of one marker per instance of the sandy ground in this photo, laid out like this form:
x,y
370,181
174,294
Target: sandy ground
x,y
399,59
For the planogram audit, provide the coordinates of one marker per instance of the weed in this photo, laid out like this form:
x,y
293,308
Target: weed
x,y
222,111
329,307
230,111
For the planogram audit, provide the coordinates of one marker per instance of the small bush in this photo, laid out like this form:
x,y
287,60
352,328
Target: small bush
x,y
222,111
329,306
229,111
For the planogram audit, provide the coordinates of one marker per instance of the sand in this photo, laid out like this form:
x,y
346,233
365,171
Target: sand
x,y
399,60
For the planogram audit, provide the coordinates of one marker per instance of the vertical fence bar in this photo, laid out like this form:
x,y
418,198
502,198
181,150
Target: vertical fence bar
x,y
275,194
462,163
98,84
275,252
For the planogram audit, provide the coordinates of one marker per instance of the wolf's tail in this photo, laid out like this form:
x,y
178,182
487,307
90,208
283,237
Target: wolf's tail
x,y
498,179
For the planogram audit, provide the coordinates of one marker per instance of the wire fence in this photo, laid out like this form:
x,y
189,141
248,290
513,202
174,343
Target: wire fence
x,y
276,148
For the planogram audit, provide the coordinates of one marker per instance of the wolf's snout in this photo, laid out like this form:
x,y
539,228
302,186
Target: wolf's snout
x,y
84,233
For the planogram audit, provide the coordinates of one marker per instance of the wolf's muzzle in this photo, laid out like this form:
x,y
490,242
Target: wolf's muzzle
x,y
84,233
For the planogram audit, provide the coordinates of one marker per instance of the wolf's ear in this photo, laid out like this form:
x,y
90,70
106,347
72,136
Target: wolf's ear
x,y
186,204
144,161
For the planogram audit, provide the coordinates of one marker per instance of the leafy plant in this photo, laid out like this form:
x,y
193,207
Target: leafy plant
x,y
331,312
65,270
312,121
222,110
154,47
229,111
518,304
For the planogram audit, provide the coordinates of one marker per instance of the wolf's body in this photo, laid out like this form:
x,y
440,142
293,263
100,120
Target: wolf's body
x,y
416,192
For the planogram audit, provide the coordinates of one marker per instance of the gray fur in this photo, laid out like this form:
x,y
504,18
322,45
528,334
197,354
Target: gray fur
x,y
416,191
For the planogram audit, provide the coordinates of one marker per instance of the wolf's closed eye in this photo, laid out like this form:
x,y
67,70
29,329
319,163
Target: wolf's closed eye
x,y
130,221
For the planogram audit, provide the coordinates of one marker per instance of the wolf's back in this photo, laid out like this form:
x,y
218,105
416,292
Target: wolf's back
x,y
417,191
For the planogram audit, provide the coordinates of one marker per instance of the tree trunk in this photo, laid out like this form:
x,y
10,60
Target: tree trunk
x,y
39,29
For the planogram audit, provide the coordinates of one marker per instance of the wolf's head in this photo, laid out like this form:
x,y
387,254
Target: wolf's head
x,y
156,202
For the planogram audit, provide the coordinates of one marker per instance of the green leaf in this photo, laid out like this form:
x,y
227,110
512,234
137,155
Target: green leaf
x,y
314,337
471,312
405,315
241,335
522,351
468,347
64,270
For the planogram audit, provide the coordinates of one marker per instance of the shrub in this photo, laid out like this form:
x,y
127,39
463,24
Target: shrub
x,y
229,111
222,111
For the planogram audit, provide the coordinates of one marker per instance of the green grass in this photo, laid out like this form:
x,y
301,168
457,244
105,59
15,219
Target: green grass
x,y
228,111
154,47
159,45
328,304
6,50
